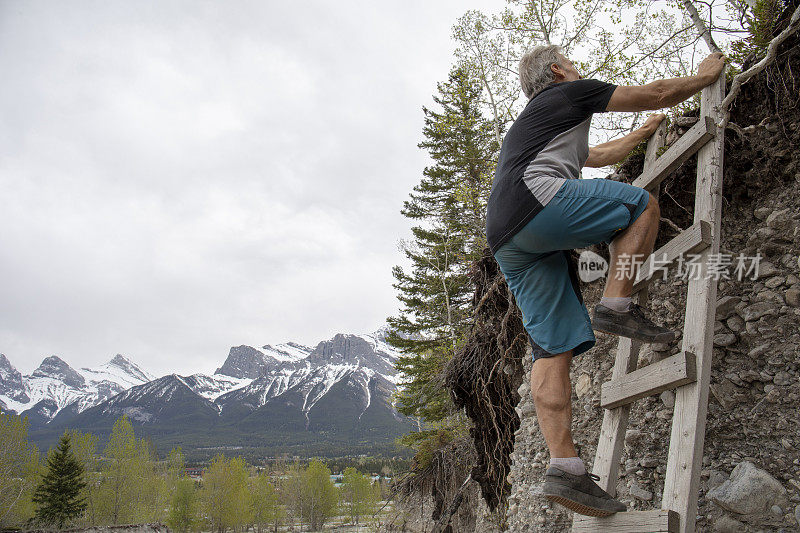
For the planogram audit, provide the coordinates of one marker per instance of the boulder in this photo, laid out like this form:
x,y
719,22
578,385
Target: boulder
x,y
762,213
735,324
639,493
765,269
749,490
724,339
726,306
668,398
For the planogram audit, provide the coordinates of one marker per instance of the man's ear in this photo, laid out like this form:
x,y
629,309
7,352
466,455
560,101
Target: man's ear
x,y
558,72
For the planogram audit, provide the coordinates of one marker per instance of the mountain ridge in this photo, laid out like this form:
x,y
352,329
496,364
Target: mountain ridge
x,y
337,394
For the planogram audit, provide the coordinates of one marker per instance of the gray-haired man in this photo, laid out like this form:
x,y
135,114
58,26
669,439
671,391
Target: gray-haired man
x,y
538,211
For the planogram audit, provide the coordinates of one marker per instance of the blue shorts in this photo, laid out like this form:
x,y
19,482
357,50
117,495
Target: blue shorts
x,y
536,265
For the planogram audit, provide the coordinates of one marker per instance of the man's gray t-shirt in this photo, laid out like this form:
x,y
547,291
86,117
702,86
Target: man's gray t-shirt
x,y
547,144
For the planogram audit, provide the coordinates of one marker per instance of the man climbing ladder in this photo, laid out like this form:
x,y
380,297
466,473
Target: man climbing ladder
x,y
538,211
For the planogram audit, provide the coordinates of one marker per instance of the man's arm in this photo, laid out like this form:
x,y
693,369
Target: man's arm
x,y
667,92
615,151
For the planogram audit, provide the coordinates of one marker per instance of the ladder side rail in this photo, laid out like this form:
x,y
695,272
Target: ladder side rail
x,y
691,402
615,421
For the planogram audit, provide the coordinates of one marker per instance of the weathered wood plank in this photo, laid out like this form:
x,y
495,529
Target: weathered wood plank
x,y
655,378
691,240
684,148
615,421
685,454
659,521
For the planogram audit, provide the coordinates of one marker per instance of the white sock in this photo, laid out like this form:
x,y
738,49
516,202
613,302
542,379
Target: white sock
x,y
573,465
617,303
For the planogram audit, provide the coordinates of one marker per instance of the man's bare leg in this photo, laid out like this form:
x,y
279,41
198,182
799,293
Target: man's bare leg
x,y
638,238
615,312
566,480
551,391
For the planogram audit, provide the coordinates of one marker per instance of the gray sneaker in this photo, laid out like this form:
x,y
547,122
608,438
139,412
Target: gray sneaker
x,y
631,323
579,493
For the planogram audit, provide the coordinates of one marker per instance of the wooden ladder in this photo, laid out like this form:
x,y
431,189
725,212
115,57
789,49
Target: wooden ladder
x,y
689,371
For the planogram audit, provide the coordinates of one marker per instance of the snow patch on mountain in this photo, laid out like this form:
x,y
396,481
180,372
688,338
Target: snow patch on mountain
x,y
287,351
212,387
120,371
59,385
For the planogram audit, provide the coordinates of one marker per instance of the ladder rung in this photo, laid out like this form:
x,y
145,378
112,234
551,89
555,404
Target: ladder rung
x,y
684,148
693,239
668,373
658,521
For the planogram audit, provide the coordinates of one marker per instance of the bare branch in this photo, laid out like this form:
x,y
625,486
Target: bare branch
x,y
742,77
702,29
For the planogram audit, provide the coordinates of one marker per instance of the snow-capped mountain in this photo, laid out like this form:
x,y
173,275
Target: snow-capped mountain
x,y
251,377
12,388
55,385
357,358
339,391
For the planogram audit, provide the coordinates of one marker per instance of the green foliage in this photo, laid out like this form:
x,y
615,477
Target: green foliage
x,y
309,494
320,496
58,497
266,509
358,495
183,509
449,205
162,481
436,436
128,483
627,42
293,491
84,446
760,25
225,497
19,471
124,470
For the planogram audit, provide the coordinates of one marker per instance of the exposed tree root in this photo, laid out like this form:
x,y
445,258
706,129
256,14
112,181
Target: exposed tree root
x,y
483,377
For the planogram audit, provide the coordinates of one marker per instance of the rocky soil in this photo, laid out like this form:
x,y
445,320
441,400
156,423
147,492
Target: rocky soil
x,y
750,480
751,463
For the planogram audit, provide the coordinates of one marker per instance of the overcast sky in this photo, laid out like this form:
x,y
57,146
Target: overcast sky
x,y
180,177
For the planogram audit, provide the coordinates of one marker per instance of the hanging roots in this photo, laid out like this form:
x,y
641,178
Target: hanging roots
x,y
484,375
441,477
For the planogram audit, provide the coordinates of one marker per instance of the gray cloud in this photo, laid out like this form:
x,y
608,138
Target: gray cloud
x,y
180,177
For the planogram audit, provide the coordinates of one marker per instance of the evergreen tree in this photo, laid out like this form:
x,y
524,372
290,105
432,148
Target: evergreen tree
x,y
58,496
449,206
